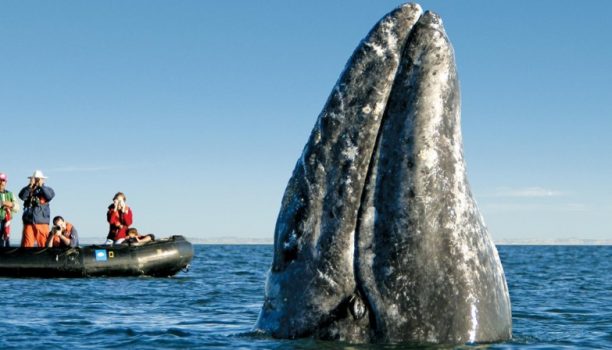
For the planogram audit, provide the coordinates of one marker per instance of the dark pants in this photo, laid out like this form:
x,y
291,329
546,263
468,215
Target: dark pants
x,y
3,242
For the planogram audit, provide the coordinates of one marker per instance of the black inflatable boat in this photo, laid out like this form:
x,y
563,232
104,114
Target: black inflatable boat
x,y
161,258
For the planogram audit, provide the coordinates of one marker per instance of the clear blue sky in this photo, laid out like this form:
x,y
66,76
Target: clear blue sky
x,y
198,110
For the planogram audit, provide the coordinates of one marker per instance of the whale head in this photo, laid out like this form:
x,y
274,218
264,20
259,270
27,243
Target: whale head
x,y
379,238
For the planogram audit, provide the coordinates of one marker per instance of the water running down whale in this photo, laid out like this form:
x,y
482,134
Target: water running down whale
x,y
378,238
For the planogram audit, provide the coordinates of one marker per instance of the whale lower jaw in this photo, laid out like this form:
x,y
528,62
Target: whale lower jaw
x,y
379,238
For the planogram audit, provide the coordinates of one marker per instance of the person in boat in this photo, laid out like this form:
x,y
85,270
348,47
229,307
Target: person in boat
x,y
8,206
119,217
36,212
63,234
133,237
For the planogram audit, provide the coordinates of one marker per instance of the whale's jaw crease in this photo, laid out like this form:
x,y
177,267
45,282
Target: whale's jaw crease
x,y
379,238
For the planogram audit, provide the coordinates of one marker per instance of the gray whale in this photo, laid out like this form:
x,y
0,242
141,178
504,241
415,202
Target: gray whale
x,y
378,238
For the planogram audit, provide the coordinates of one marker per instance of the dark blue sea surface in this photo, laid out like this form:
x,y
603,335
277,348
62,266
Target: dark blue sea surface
x,y
561,299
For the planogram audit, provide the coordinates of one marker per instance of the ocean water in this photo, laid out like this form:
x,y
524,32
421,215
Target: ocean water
x,y
561,299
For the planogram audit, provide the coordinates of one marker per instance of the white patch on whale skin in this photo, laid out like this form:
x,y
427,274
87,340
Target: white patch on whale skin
x,y
351,152
349,188
379,107
350,252
378,49
429,157
474,318
291,242
330,281
390,40
393,311
368,217
388,271
320,168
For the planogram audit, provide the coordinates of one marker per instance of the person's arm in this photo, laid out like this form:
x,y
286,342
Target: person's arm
x,y
127,217
47,192
65,240
8,204
15,207
74,238
113,217
50,239
24,194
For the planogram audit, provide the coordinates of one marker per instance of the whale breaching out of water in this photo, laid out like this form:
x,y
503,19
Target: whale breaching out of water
x,y
378,238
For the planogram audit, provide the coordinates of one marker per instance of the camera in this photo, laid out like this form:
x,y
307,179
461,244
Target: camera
x,y
57,228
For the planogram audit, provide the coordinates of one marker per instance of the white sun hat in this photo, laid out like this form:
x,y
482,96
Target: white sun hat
x,y
37,175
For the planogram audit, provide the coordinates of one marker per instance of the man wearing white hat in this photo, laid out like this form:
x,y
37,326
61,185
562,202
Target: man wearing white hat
x,y
36,213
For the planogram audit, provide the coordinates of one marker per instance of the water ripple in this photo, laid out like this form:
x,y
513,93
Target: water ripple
x,y
560,296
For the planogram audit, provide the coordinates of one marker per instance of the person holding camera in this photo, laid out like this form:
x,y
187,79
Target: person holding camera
x,y
135,238
8,206
36,212
119,217
63,234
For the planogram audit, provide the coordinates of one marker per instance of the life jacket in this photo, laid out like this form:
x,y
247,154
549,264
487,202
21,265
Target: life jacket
x,y
57,242
6,228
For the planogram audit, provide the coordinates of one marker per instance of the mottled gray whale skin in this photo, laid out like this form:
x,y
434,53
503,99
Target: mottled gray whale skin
x,y
425,260
378,238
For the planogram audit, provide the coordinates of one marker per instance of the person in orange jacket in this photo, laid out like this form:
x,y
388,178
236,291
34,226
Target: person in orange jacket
x,y
63,234
119,217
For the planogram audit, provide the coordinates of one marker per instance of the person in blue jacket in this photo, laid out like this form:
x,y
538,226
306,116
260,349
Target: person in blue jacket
x,y
36,212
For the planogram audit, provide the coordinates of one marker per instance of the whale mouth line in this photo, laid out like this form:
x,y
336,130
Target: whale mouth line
x,y
360,293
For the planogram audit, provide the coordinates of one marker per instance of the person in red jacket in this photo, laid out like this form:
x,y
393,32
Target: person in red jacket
x,y
119,217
